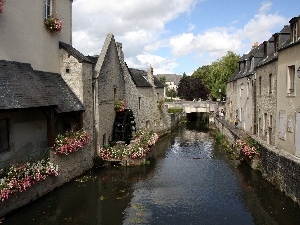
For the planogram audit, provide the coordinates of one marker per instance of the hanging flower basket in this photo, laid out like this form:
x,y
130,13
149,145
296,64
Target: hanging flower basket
x,y
53,24
1,6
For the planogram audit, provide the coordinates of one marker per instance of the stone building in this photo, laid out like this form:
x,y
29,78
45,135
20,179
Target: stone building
x,y
240,90
266,88
288,86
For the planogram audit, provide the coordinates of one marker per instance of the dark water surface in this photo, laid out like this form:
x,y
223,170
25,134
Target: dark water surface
x,y
189,181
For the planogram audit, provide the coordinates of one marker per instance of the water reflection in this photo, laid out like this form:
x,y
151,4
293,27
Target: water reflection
x,y
189,181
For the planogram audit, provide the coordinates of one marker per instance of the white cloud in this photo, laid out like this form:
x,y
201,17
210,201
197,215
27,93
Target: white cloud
x,y
140,26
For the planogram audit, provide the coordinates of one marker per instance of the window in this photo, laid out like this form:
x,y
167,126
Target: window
x,y
282,124
291,80
48,8
252,63
139,102
104,140
259,85
270,83
115,93
270,120
4,138
294,31
265,122
276,43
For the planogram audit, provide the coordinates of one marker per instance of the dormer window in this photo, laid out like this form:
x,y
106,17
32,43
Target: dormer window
x,y
265,49
276,43
294,31
252,63
48,8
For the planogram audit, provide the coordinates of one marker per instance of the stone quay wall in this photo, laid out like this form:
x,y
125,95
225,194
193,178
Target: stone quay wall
x,y
70,166
276,165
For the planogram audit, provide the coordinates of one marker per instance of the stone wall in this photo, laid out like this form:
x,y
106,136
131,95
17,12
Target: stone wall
x,y
266,102
276,165
70,166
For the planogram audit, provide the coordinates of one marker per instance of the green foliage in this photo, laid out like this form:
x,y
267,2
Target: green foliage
x,y
216,75
162,80
175,110
170,92
190,88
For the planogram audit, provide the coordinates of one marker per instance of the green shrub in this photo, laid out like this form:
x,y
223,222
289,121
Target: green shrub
x,y
175,110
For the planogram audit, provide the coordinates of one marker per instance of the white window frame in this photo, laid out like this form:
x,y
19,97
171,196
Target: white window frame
x,y
270,83
291,80
295,31
282,124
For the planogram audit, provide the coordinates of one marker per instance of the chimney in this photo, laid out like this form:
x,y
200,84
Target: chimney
x,y
150,77
120,52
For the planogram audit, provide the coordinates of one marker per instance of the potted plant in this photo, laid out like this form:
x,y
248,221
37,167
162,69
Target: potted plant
x,y
53,24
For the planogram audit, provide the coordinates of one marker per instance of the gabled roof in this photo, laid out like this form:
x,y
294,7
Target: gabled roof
x,y
138,77
59,89
75,53
157,83
21,88
257,52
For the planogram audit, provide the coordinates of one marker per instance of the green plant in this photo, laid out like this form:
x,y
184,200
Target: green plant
x,y
175,110
161,103
53,24
21,177
120,105
71,141
248,149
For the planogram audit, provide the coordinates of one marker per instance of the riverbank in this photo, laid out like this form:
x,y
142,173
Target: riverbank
x,y
276,166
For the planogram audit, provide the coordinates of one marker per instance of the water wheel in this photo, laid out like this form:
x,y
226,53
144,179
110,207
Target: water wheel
x,y
124,126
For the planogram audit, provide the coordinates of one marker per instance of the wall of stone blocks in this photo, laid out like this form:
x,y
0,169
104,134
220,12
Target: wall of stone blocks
x,y
70,166
277,166
266,102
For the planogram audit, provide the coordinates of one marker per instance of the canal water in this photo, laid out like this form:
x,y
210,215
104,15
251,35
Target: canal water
x,y
189,180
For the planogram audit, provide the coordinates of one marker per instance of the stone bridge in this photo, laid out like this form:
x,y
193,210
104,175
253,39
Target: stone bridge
x,y
190,106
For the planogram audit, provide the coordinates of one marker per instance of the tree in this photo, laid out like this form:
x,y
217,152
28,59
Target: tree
x,y
190,88
216,75
171,92
163,80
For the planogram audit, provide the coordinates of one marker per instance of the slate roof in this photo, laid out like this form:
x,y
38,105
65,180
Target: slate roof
x,y
21,88
256,52
59,90
138,77
157,83
74,52
170,77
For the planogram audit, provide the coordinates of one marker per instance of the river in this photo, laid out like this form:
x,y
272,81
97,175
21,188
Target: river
x,y
189,180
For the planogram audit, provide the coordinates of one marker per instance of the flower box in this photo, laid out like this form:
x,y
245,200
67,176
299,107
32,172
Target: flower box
x,y
21,177
71,141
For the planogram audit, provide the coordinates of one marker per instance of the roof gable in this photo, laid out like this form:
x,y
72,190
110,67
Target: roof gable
x,y
138,77
74,52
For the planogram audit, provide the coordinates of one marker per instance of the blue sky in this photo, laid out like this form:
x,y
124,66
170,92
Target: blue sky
x,y
177,36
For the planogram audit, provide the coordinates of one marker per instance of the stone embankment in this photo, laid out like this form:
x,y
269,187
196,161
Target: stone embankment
x,y
277,166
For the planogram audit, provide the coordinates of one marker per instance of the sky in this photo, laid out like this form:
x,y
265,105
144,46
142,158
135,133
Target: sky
x,y
178,36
